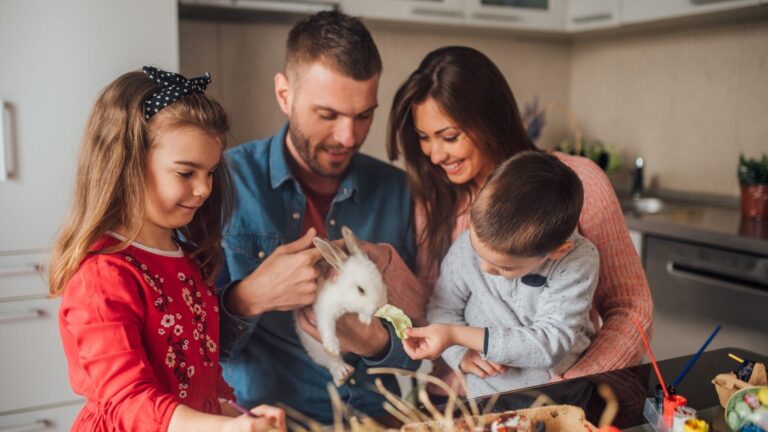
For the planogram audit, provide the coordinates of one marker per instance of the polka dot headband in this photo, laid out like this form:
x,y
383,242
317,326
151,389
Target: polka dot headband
x,y
172,88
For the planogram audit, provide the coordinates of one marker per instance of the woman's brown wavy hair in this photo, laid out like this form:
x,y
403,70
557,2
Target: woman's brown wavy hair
x,y
111,176
472,91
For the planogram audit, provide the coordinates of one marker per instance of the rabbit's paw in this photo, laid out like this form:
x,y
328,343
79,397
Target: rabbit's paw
x,y
332,346
364,318
341,372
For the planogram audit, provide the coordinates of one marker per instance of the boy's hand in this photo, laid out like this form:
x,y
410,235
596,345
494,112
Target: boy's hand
x,y
427,342
473,363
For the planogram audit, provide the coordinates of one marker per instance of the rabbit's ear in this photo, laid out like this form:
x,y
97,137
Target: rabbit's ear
x,y
350,240
332,253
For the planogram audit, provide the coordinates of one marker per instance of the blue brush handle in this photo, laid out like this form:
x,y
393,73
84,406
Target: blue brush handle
x,y
696,357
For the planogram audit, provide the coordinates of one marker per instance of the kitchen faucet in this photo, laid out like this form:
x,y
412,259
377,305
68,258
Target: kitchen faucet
x,y
637,180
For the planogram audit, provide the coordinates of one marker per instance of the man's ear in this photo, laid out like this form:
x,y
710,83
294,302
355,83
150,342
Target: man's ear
x,y
283,93
561,250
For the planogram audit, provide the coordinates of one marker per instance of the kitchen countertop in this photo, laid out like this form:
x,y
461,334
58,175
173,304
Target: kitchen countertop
x,y
718,225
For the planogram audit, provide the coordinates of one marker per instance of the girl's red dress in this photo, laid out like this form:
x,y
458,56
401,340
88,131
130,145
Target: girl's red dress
x,y
140,330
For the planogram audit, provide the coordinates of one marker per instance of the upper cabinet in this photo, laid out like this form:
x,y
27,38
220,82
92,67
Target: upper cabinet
x,y
545,15
505,14
291,6
592,14
423,11
559,17
638,11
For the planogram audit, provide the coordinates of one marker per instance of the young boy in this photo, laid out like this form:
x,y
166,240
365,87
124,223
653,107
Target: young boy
x,y
511,306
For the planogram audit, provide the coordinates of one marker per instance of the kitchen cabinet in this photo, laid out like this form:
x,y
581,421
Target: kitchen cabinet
x,y
56,57
415,11
290,6
639,11
544,15
586,15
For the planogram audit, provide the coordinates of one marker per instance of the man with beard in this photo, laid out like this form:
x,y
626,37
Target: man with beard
x,y
308,180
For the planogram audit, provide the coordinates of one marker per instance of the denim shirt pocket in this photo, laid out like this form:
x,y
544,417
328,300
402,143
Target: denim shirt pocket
x,y
245,252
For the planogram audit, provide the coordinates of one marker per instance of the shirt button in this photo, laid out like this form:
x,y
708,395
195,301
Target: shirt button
x,y
261,254
332,222
296,216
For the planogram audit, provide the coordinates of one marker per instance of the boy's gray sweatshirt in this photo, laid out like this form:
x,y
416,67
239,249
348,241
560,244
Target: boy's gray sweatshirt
x,y
538,331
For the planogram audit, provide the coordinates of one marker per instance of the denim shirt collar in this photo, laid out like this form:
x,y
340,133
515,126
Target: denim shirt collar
x,y
279,172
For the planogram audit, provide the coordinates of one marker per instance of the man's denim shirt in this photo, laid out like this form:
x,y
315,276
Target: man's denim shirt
x,y
262,356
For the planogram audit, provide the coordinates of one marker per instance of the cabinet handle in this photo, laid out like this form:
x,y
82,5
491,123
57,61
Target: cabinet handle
x,y
29,268
5,141
29,427
20,315
492,17
600,16
685,272
703,2
437,12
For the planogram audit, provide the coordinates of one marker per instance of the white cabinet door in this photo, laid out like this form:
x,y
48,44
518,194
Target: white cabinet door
x,y
291,6
537,15
55,56
424,11
584,15
637,11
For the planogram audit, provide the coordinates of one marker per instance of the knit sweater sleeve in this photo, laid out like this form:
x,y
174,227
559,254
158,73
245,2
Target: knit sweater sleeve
x,y
622,293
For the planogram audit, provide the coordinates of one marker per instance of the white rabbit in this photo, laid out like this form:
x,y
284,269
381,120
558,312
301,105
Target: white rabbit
x,y
358,288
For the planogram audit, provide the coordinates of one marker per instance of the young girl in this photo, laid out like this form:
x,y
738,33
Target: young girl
x,y
136,259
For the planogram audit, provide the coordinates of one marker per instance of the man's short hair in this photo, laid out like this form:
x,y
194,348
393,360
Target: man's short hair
x,y
529,206
336,38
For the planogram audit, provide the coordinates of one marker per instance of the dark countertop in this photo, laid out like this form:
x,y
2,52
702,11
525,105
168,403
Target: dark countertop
x,y
702,219
632,385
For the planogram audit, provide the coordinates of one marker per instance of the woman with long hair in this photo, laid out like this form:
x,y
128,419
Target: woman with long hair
x,y
454,120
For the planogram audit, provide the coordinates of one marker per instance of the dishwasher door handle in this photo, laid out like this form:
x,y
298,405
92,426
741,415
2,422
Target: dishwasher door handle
x,y
685,272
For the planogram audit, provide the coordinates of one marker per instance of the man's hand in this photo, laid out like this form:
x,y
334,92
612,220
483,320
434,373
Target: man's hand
x,y
367,340
473,363
427,342
286,280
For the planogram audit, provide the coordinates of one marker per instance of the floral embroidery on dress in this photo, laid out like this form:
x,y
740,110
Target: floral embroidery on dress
x,y
171,325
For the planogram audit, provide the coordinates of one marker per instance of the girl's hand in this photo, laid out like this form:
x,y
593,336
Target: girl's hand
x,y
267,418
427,342
473,363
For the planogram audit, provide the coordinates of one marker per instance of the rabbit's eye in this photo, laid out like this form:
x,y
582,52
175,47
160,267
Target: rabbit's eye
x,y
361,290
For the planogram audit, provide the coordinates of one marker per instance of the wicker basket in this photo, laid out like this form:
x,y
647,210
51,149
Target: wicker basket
x,y
727,384
557,418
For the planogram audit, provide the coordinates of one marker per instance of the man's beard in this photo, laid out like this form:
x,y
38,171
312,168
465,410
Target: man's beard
x,y
301,144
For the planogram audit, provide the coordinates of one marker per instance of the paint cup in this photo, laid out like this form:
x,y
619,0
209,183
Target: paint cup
x,y
670,404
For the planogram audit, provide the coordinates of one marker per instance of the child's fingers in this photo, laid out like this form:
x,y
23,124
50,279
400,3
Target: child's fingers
x,y
486,367
474,369
276,416
416,332
500,368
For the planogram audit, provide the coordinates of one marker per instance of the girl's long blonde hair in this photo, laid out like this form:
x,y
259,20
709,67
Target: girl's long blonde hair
x,y
110,181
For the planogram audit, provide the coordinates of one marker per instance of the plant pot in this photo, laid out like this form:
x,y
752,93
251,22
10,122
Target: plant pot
x,y
754,201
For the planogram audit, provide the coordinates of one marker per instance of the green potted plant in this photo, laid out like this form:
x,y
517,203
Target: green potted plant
x,y
753,178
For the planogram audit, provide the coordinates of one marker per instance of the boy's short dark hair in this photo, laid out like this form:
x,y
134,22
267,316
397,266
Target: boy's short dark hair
x,y
529,206
337,38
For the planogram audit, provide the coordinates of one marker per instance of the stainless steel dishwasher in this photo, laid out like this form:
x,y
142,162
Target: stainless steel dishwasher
x,y
695,287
